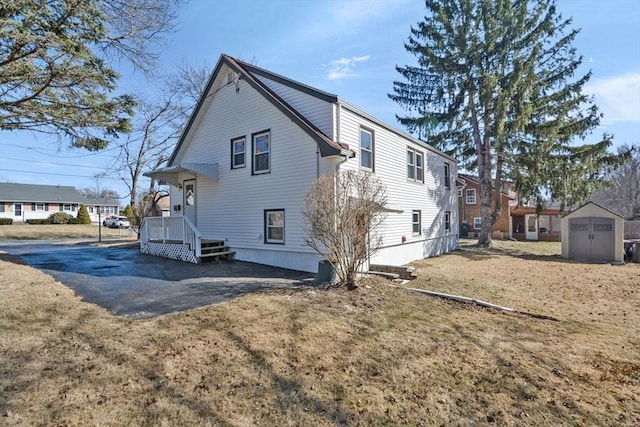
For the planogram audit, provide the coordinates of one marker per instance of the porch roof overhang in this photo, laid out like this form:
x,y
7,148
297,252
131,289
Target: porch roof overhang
x,y
170,174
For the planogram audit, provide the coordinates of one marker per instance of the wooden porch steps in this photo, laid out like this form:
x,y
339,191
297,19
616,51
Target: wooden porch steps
x,y
215,250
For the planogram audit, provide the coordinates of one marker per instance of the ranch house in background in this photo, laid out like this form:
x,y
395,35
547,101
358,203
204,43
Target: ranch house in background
x,y
251,151
515,222
23,202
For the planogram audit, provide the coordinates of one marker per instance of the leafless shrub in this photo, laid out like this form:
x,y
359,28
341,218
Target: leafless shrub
x,y
344,212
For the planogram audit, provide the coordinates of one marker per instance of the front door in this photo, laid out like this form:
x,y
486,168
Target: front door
x,y
531,224
189,202
17,210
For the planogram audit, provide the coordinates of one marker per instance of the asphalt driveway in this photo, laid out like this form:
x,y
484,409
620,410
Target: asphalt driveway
x,y
131,284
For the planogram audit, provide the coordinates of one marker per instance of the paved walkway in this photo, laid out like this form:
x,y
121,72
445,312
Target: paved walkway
x,y
131,284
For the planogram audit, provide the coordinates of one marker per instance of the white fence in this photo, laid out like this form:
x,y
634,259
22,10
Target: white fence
x,y
171,229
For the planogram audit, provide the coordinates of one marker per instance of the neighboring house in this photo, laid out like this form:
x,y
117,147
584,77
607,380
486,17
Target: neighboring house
x,y
22,202
100,208
469,208
515,221
251,151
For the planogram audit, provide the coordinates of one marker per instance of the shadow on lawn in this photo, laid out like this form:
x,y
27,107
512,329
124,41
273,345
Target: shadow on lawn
x,y
476,253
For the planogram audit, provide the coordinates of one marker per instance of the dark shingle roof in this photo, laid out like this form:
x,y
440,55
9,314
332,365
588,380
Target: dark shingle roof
x,y
38,193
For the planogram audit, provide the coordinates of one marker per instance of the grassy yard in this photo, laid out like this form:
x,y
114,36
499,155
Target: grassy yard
x,y
22,231
376,356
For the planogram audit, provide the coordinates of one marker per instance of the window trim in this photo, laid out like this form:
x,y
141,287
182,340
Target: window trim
x,y
370,151
40,207
478,220
418,223
447,221
468,195
447,176
414,166
242,139
268,241
460,192
254,136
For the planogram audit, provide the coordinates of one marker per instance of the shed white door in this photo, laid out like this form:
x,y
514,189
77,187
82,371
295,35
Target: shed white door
x,y
189,203
591,239
531,222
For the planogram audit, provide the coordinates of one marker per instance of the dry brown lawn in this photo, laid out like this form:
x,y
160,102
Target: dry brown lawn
x,y
376,356
58,231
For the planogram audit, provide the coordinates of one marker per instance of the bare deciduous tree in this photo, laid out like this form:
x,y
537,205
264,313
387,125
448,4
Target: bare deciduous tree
x,y
622,194
344,212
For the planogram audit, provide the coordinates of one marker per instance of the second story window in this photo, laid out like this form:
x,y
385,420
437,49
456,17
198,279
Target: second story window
x,y
237,153
415,165
366,149
261,152
447,176
471,196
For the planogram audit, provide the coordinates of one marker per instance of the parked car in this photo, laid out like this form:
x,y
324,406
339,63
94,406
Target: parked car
x,y
109,218
117,222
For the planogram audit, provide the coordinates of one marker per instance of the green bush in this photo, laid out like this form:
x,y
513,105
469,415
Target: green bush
x,y
128,212
59,218
73,220
39,221
83,215
6,221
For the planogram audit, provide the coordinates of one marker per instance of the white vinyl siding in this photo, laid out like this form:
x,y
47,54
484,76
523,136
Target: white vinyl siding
x,y
316,110
399,243
233,208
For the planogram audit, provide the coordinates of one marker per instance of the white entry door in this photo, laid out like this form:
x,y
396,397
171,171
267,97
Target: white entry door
x,y
531,224
189,202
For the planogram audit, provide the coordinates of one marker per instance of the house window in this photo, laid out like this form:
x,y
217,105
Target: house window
x,y
1,207
415,165
471,196
274,226
40,207
90,208
66,207
366,149
261,152
447,221
459,192
416,220
477,223
237,153
447,176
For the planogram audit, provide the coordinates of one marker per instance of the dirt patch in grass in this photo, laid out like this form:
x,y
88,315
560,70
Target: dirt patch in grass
x,y
62,231
376,356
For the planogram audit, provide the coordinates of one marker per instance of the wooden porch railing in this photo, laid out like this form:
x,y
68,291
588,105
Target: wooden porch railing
x,y
171,229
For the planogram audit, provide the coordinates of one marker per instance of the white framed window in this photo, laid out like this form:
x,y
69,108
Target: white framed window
x,y
40,207
261,147
366,149
90,209
471,196
238,150
447,220
416,222
459,192
415,165
447,176
477,223
66,207
274,226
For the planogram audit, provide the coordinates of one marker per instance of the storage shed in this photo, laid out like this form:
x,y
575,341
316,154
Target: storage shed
x,y
594,234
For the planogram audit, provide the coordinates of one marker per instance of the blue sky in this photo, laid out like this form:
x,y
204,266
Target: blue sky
x,y
349,48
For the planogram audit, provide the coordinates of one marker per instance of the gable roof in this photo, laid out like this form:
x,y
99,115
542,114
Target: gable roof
x,y
571,214
249,73
10,192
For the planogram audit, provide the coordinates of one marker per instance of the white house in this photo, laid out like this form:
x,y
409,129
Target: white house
x,y
253,147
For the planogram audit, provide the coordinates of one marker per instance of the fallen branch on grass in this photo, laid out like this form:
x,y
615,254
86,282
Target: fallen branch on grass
x,y
479,302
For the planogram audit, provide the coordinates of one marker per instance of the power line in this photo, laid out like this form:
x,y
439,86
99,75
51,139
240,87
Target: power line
x,y
49,163
59,174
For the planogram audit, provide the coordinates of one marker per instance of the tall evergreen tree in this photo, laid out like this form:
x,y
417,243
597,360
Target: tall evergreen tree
x,y
494,85
54,71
